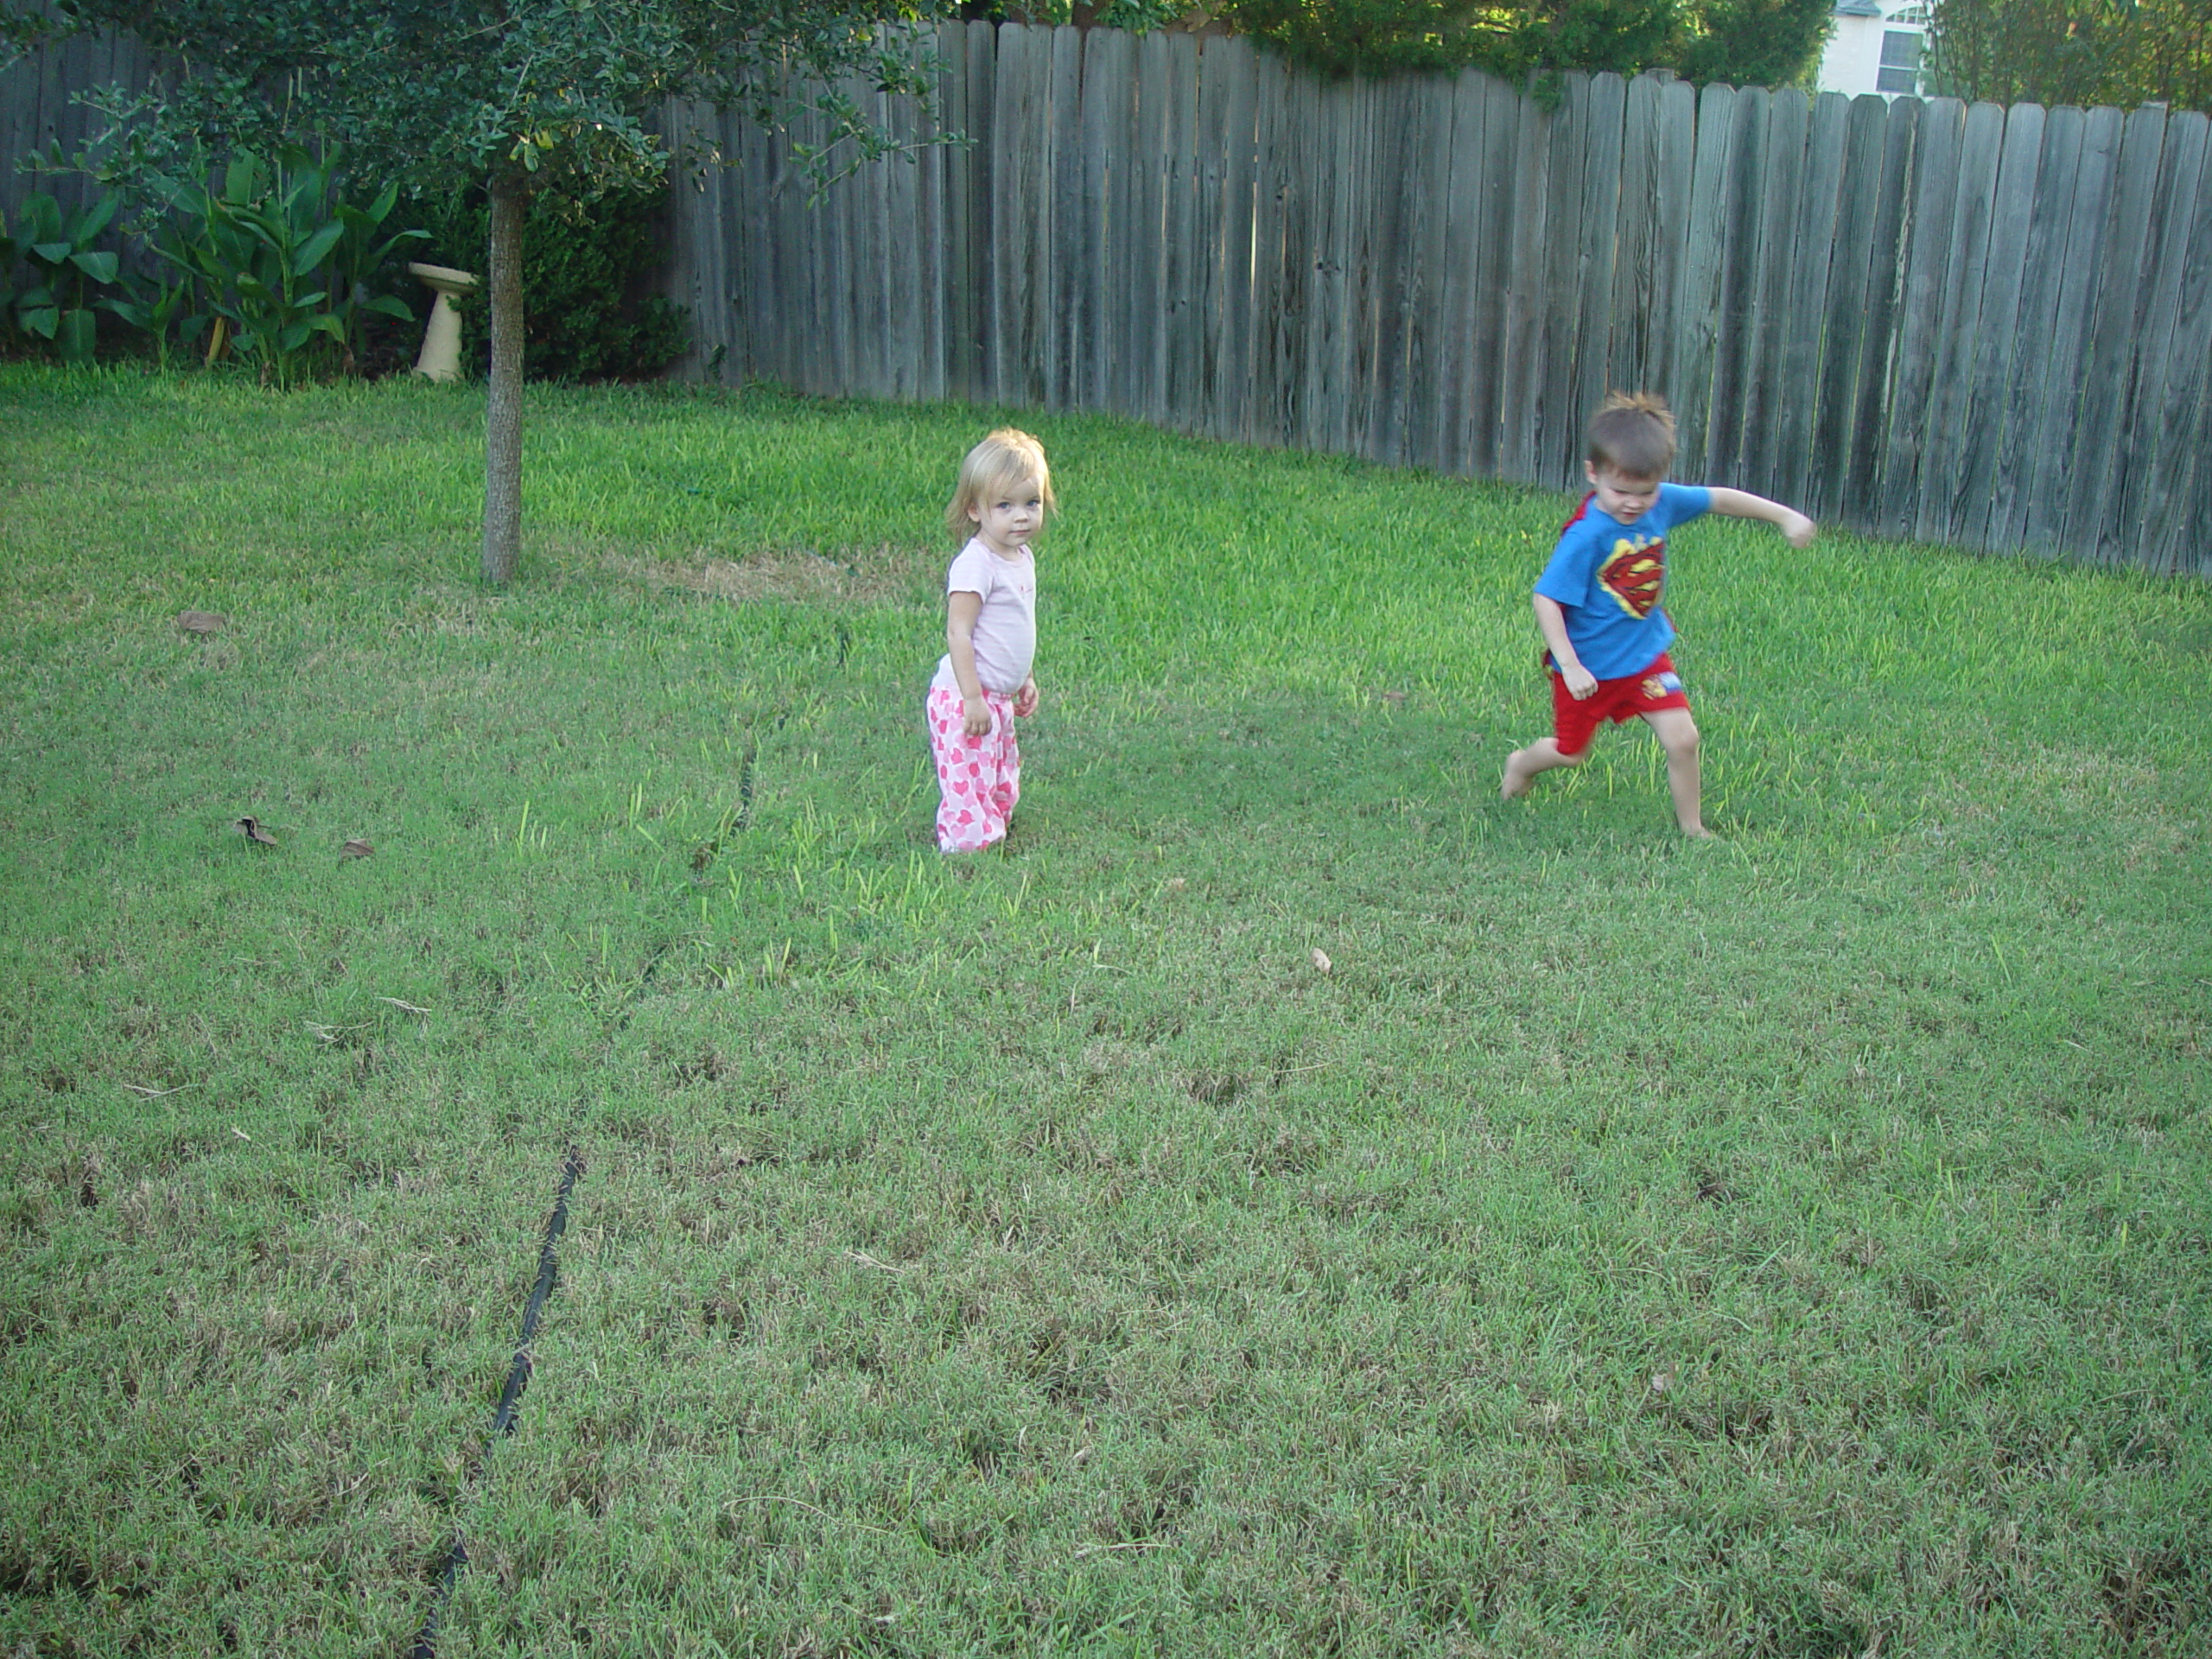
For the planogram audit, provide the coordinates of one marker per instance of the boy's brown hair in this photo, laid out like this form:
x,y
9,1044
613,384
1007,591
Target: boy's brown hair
x,y
1632,433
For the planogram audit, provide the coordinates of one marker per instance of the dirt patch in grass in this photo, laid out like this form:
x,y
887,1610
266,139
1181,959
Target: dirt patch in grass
x,y
882,575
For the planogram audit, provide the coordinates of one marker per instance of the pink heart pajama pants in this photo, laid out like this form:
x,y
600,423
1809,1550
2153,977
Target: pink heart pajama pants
x,y
979,777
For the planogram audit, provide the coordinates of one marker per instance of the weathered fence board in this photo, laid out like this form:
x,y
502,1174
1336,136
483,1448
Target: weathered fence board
x,y
2051,449
1559,417
1981,147
1767,326
1067,312
1393,271
979,320
930,235
1235,78
1733,339
1804,328
1486,122
1688,389
1587,383
1964,514
1432,336
1657,157
1017,250
1212,156
2166,354
1920,309
1289,105
2177,523
1523,372
2114,330
1182,399
1844,311
1630,308
2017,476
1109,107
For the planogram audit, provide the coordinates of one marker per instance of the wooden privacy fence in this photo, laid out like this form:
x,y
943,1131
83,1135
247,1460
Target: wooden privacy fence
x,y
1978,326
38,112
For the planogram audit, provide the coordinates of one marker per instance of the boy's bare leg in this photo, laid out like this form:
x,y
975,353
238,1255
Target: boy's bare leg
x,y
1677,734
1523,766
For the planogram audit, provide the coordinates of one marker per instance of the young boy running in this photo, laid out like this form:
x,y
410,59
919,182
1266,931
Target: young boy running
x,y
1598,600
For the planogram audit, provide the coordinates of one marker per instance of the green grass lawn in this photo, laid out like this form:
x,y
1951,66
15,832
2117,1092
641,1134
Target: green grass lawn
x,y
1792,1245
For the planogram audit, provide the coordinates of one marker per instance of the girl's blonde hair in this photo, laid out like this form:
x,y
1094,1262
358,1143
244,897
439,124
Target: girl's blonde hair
x,y
1001,462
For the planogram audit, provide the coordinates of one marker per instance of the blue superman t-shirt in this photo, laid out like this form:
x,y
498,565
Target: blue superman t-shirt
x,y
1608,577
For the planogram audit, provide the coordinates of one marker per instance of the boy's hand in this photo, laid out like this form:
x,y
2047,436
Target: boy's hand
x,y
1581,682
975,717
1024,700
1798,531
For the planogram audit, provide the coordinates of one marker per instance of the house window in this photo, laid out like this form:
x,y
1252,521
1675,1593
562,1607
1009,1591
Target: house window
x,y
1900,70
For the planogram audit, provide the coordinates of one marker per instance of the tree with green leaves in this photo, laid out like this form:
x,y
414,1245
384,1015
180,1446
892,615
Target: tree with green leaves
x,y
2080,52
513,94
1748,42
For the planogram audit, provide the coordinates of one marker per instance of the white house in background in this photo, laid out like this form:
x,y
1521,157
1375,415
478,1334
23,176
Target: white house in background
x,y
1875,47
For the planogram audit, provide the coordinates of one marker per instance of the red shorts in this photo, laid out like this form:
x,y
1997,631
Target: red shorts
x,y
1575,721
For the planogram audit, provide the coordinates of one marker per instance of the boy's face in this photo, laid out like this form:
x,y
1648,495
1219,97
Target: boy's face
x,y
1622,495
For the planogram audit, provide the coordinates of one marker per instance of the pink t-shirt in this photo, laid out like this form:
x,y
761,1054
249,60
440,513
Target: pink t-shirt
x,y
1006,628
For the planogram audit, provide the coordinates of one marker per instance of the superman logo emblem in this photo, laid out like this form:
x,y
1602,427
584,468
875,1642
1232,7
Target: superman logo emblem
x,y
1634,573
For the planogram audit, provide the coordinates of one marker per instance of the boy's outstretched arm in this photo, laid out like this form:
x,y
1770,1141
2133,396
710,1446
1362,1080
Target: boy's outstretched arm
x,y
1796,529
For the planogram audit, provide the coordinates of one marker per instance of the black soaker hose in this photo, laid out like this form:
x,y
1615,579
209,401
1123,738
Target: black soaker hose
x,y
425,1645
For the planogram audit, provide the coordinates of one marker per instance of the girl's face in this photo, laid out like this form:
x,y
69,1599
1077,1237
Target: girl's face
x,y
1008,516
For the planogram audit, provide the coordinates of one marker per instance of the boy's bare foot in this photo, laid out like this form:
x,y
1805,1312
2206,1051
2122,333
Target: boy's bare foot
x,y
1699,832
1517,780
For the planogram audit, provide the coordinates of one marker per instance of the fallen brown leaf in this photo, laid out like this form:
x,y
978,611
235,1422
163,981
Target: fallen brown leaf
x,y
355,849
202,622
1321,960
1396,699
251,829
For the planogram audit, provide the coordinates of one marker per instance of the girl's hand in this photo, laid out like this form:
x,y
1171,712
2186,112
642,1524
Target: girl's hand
x,y
975,717
1024,700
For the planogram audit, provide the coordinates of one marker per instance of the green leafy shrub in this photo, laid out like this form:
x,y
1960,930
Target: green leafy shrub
x,y
1748,42
2082,52
589,311
66,269
277,262
1138,16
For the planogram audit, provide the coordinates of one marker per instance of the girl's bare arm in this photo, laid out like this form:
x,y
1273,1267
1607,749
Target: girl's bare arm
x,y
960,610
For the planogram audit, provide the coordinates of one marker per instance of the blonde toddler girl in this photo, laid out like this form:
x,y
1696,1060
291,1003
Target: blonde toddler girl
x,y
983,680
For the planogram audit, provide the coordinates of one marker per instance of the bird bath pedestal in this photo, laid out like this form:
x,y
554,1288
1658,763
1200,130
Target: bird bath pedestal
x,y
440,358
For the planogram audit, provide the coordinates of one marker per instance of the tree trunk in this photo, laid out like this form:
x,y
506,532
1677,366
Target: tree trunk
x,y
503,408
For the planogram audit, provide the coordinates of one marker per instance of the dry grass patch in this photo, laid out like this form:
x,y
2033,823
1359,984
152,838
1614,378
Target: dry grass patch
x,y
880,576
